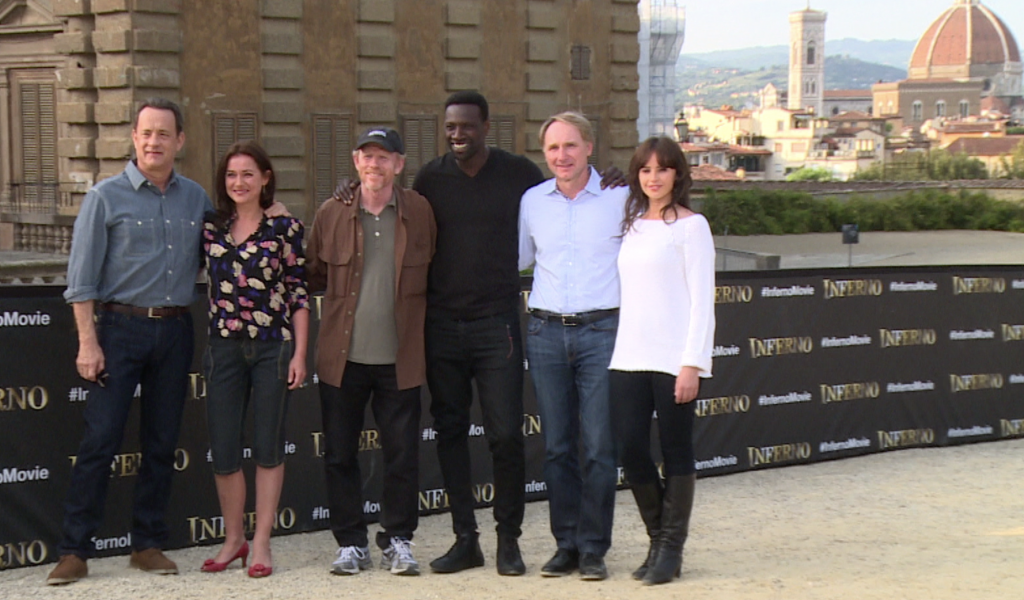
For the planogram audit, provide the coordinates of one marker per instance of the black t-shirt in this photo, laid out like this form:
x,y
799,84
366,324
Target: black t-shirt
x,y
474,272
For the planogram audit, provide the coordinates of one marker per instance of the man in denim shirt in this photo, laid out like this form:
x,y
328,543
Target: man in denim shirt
x,y
131,280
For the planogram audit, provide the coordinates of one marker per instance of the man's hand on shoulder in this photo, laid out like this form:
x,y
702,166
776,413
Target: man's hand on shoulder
x,y
612,177
277,210
346,191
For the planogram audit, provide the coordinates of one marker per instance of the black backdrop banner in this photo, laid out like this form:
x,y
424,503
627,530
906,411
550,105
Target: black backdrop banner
x,y
809,366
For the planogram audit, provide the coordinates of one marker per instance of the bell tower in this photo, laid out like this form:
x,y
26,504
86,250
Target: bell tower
x,y
807,60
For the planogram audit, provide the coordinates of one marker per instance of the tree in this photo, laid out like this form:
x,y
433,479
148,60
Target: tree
x,y
810,174
1013,163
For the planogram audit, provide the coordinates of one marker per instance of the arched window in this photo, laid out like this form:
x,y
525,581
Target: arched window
x,y
965,109
940,108
917,111
810,53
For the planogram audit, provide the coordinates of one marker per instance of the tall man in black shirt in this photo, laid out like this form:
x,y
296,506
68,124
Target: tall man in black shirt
x,y
472,329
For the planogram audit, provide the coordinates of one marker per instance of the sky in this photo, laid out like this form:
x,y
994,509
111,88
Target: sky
x,y
730,24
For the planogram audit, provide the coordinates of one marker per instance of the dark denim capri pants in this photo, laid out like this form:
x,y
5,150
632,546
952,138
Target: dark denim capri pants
x,y
240,372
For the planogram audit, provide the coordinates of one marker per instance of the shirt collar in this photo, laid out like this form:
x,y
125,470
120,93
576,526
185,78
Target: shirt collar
x,y
393,202
593,186
137,179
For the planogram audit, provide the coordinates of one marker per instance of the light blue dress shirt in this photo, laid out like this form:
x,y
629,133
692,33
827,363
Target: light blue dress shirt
x,y
134,244
573,245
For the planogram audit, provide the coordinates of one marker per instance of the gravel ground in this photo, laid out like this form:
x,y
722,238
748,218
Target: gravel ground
x,y
936,523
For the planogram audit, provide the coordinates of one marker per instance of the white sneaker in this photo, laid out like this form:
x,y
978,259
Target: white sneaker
x,y
351,559
398,558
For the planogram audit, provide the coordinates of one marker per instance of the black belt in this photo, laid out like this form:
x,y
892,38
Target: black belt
x,y
575,319
154,312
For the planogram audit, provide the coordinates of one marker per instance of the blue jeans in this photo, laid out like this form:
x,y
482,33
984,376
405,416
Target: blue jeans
x,y
240,372
489,351
157,354
569,369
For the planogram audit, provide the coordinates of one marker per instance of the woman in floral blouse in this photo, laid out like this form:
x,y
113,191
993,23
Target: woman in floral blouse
x,y
259,321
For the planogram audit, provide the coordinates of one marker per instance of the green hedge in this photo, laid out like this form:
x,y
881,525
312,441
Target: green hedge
x,y
769,212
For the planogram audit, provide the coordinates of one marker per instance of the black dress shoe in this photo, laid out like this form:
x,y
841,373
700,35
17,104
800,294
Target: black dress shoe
x,y
510,561
561,564
592,567
464,554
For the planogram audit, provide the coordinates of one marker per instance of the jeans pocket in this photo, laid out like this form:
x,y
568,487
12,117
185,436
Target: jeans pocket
x,y
608,324
534,325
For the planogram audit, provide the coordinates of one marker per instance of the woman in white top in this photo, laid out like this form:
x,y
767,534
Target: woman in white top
x,y
663,346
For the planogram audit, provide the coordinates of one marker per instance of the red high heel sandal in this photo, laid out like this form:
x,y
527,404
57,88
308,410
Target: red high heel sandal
x,y
256,571
211,566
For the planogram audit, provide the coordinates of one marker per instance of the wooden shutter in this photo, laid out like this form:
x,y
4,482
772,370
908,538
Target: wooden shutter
x,y
419,133
580,63
332,153
229,128
38,147
503,132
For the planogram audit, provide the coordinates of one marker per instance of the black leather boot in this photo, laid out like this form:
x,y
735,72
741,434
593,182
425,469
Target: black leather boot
x,y
675,525
649,498
509,559
464,554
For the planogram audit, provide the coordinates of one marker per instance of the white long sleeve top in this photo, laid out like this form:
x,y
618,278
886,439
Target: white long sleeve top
x,y
667,314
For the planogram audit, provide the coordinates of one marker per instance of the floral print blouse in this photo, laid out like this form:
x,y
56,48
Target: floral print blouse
x,y
257,284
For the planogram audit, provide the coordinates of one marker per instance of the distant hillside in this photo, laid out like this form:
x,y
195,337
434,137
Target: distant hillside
x,y
715,86
894,53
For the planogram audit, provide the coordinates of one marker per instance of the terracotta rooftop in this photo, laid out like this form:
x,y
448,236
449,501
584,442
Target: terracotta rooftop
x,y
711,173
995,146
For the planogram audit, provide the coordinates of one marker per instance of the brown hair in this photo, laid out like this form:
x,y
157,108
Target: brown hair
x,y
225,206
669,155
569,118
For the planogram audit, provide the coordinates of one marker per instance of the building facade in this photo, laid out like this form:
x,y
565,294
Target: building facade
x,y
662,28
303,77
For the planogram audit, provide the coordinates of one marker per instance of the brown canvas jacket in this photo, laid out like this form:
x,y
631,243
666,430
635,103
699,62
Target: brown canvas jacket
x,y
333,264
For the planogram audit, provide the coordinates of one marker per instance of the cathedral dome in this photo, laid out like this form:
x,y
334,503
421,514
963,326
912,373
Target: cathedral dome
x,y
967,41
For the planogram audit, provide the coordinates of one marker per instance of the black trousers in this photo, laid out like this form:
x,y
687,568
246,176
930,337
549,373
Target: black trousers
x,y
488,351
634,398
397,413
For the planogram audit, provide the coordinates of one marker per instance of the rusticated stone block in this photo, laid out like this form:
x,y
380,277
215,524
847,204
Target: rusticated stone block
x,y
154,40
461,80
462,13
290,179
538,81
625,83
112,77
278,146
626,23
283,112
156,77
282,79
79,42
281,43
625,137
111,41
75,112
282,9
113,148
625,53
169,7
377,46
542,51
462,48
75,79
539,110
113,113
102,7
377,11
376,80
625,110
377,112
71,8
541,17
76,147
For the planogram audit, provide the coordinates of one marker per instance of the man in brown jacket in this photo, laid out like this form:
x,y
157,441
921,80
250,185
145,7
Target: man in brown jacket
x,y
371,258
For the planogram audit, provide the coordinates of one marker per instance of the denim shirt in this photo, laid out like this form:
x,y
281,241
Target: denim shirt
x,y
134,244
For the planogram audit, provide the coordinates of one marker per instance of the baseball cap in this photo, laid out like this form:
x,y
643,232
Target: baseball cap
x,y
384,137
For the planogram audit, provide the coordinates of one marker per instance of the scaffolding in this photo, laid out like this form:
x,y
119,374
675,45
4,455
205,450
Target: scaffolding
x,y
662,28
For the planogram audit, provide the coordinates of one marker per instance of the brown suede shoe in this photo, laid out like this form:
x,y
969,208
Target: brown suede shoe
x,y
152,560
69,569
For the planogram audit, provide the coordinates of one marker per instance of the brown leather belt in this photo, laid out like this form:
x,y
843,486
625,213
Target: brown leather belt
x,y
153,312
575,319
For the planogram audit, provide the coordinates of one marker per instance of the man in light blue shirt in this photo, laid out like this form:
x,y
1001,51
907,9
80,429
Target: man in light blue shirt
x,y
131,279
570,231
